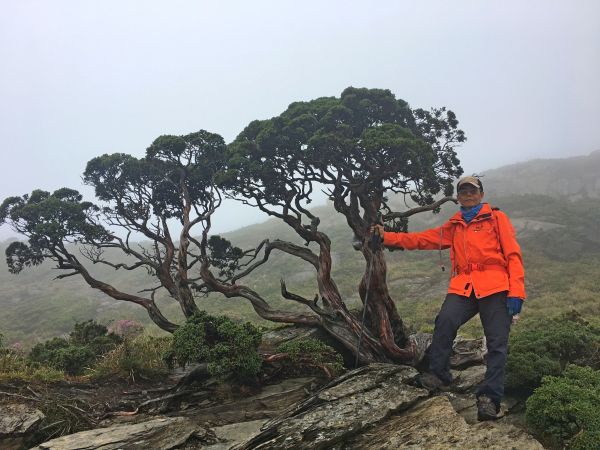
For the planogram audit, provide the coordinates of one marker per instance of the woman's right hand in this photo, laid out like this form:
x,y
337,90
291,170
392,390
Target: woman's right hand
x,y
377,230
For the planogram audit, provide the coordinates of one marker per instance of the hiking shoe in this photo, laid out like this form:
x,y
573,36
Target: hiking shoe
x,y
433,383
486,408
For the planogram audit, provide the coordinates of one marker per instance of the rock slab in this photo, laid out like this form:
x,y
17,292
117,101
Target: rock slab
x,y
17,422
434,425
163,433
345,407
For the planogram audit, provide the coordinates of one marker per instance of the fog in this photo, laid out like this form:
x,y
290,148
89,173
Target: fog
x,y
79,79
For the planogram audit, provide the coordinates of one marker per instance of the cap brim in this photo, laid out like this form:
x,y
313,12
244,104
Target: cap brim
x,y
472,183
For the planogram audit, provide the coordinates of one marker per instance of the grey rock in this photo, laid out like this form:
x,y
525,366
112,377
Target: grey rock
x,y
267,404
468,379
163,433
16,419
17,423
231,435
466,352
348,405
434,425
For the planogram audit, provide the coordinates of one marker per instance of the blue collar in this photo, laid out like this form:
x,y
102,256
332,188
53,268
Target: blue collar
x,y
469,214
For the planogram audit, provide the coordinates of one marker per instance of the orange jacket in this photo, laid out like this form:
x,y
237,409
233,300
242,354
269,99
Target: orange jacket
x,y
486,257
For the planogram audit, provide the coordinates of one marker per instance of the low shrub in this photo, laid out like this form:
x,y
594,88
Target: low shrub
x,y
14,365
229,348
545,347
86,343
565,408
95,336
137,357
306,355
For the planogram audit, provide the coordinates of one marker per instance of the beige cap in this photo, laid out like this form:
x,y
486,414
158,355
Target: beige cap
x,y
469,180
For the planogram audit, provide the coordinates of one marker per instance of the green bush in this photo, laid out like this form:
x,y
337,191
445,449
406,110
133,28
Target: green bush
x,y
308,354
45,352
95,336
60,354
15,366
86,332
137,357
86,343
566,408
545,347
228,347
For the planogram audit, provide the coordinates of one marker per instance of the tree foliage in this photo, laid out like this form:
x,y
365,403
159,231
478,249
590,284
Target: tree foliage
x,y
50,221
359,146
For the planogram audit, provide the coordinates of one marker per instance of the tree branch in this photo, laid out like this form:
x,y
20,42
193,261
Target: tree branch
x,y
410,212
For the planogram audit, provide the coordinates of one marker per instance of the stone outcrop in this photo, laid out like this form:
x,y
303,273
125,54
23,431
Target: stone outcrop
x,y
240,420
467,352
17,423
268,403
468,379
231,435
435,425
379,406
358,399
160,433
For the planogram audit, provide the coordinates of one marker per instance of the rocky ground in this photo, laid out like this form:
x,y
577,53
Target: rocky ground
x,y
380,406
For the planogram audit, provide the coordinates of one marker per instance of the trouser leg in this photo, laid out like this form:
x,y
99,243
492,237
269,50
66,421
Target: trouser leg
x,y
455,311
496,326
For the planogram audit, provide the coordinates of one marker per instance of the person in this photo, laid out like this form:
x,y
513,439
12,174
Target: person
x,y
487,278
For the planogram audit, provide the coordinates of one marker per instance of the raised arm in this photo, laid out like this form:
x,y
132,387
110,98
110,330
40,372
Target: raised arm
x,y
422,240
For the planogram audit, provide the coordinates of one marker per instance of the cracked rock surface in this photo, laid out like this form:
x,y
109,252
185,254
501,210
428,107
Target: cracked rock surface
x,y
435,425
355,401
161,433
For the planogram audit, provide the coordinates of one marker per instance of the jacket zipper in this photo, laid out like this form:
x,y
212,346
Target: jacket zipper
x,y
465,228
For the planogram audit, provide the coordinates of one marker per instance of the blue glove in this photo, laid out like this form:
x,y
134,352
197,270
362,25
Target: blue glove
x,y
513,305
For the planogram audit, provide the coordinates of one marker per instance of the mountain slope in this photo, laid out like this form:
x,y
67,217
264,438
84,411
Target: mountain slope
x,y
575,178
561,250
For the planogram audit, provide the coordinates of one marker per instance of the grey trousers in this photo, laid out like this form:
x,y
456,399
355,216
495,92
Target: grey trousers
x,y
496,322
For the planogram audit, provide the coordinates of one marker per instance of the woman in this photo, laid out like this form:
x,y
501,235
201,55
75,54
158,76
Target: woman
x,y
487,278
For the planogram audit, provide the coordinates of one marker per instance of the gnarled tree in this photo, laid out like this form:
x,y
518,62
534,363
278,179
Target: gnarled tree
x,y
142,199
356,147
172,188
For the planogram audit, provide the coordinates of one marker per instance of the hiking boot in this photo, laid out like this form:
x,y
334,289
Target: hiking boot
x,y
486,408
433,383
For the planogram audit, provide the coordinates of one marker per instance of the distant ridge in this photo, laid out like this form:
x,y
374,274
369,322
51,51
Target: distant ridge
x,y
574,177
35,306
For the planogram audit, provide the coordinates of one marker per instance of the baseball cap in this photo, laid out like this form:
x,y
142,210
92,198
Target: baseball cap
x,y
474,181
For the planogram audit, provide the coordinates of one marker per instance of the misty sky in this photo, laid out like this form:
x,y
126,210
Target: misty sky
x,y
83,78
